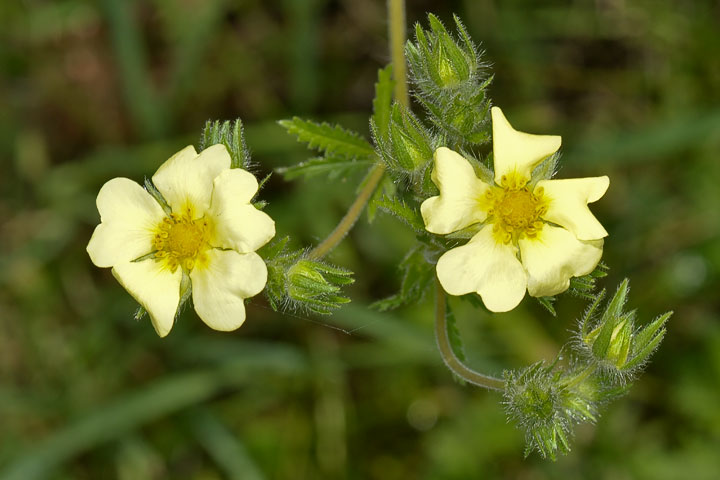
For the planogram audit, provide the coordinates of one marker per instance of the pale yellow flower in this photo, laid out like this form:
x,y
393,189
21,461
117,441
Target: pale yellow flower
x,y
209,237
533,236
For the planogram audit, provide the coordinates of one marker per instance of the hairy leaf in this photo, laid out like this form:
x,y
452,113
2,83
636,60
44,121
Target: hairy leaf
x,y
331,139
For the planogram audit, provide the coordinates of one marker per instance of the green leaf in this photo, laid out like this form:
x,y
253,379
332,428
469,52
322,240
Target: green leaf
x,y
548,303
408,215
333,140
417,275
386,189
454,333
383,100
333,167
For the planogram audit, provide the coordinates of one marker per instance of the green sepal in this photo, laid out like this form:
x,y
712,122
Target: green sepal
x,y
232,136
298,283
155,193
546,170
646,342
383,100
609,319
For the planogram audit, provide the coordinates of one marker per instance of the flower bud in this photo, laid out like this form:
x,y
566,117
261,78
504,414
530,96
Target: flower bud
x,y
613,341
410,143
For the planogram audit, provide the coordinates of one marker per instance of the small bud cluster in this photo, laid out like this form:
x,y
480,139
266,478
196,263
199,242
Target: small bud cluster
x,y
450,83
297,282
547,401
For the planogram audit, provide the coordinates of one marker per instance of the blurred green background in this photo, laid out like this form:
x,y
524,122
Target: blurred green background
x,y
94,90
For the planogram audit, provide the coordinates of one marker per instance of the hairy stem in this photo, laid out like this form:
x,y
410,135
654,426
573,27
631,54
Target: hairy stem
x,y
351,216
396,14
448,355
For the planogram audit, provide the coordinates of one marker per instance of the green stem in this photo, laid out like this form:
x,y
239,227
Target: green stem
x,y
351,216
396,14
448,355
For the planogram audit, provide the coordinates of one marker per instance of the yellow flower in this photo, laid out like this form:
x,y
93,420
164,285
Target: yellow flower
x,y
535,236
209,236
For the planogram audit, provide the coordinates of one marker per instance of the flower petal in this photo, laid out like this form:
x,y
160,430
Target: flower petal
x,y
239,225
461,193
554,256
487,267
568,204
518,152
186,179
154,287
129,215
218,289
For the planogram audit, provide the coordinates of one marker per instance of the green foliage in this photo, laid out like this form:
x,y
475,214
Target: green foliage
x,y
332,140
152,190
333,167
546,170
403,212
612,340
417,275
583,287
232,136
407,148
547,401
536,401
454,334
382,101
450,83
298,283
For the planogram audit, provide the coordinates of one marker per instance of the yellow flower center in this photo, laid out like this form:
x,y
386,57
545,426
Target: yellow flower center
x,y
180,240
516,212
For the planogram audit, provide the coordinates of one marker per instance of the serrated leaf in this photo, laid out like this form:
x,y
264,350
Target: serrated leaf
x,y
454,333
331,139
333,167
383,100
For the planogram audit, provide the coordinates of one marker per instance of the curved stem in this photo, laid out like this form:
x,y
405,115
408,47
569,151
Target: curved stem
x,y
351,216
448,355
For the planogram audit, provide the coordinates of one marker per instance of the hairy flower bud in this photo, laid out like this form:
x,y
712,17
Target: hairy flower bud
x,y
612,339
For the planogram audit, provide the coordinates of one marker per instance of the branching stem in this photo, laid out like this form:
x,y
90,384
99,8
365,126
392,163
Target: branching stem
x,y
448,355
396,14
351,216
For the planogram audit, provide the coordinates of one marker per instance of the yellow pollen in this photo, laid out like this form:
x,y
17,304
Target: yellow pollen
x,y
179,241
516,212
